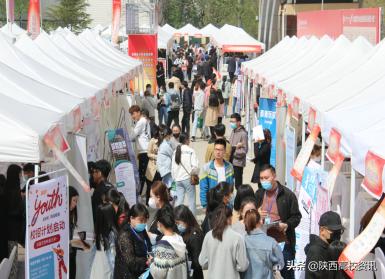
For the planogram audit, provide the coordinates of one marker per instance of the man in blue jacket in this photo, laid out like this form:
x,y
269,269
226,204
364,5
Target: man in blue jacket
x,y
215,171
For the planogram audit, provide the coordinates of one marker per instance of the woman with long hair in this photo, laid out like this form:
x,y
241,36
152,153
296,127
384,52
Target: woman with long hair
x,y
106,233
184,164
159,199
223,250
152,174
192,234
220,195
120,206
247,204
263,252
165,152
262,151
170,251
133,245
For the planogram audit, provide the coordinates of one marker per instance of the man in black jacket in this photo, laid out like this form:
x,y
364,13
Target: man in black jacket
x,y
231,67
317,249
279,204
187,107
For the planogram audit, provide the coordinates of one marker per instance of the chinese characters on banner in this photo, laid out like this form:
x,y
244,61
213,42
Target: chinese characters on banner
x,y
33,26
145,49
47,230
334,146
374,166
124,165
304,154
116,10
267,118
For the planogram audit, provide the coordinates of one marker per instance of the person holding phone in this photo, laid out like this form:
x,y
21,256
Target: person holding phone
x,y
133,249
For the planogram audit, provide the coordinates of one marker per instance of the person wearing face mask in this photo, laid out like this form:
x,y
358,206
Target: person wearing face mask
x,y
192,236
330,229
279,204
174,141
159,199
133,245
239,148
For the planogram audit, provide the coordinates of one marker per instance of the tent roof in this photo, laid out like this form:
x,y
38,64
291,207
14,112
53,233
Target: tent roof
x,y
209,30
169,29
16,30
164,38
239,41
188,29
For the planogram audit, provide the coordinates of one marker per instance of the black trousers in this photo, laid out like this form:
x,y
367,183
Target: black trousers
x,y
186,123
231,76
173,115
143,162
238,176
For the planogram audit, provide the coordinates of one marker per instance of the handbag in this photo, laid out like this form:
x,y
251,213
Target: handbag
x,y
200,122
194,178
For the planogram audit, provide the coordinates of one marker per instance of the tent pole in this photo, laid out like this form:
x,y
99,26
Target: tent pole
x,y
36,171
323,154
352,201
303,131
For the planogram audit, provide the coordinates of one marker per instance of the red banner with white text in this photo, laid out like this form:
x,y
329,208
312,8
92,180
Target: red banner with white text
x,y
34,18
350,22
116,10
145,49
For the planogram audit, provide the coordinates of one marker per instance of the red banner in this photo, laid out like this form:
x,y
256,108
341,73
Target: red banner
x,y
351,23
334,145
77,119
374,165
116,10
145,49
34,18
56,137
295,107
311,119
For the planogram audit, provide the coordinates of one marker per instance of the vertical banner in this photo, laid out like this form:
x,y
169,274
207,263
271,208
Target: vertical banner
x,y
77,119
295,108
10,11
374,166
333,173
311,119
362,245
145,48
47,246
291,151
334,145
116,10
267,118
304,154
34,18
124,165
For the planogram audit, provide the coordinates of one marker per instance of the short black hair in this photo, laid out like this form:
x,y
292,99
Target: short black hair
x,y
28,167
139,210
185,83
104,167
202,85
236,116
171,85
148,85
220,142
220,130
267,167
176,126
244,191
166,218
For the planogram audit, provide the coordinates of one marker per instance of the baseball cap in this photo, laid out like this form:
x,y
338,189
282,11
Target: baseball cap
x,y
330,220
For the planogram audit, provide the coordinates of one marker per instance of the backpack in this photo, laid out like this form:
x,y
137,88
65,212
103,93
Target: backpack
x,y
175,102
213,99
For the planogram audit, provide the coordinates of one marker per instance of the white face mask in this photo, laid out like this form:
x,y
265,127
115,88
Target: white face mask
x,y
152,203
318,159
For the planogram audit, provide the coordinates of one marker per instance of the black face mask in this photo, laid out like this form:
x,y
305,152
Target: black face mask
x,y
336,235
176,135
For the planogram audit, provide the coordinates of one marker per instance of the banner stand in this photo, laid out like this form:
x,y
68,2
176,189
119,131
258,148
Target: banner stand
x,y
63,170
352,200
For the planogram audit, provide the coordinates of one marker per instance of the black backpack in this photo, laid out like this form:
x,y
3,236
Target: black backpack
x,y
175,102
213,99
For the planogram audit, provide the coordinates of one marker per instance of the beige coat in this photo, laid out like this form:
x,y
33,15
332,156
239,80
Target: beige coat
x,y
211,116
152,156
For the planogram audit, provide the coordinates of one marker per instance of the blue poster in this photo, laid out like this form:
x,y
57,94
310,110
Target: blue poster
x,y
268,120
42,266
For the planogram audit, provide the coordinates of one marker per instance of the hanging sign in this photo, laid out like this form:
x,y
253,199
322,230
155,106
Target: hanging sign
x,y
374,166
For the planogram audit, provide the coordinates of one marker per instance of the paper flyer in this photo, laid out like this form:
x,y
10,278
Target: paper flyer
x,y
334,145
295,107
311,119
57,138
374,166
304,154
47,246
310,183
364,243
258,133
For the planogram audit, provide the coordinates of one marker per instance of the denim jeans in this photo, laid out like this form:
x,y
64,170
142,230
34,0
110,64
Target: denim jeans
x,y
234,104
288,256
184,187
162,115
197,113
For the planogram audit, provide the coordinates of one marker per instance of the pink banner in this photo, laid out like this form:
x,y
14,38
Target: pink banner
x,y
11,11
311,119
34,18
116,10
334,145
295,107
374,166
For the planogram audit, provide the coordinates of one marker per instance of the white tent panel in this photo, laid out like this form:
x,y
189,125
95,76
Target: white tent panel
x,y
209,30
169,29
189,30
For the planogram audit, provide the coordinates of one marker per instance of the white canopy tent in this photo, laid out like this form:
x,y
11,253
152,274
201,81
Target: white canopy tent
x,y
239,41
164,38
12,30
188,30
209,30
169,29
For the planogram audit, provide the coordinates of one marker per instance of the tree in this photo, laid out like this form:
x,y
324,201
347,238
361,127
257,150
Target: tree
x,y
21,10
69,13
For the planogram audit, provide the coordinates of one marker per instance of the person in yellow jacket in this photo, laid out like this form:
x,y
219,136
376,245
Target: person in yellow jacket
x,y
219,131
